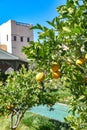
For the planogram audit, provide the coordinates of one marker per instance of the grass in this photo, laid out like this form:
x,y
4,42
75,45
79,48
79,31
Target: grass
x,y
34,122
37,122
4,123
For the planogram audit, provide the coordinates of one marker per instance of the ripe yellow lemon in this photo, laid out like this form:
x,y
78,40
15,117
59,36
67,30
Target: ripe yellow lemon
x,y
86,56
40,76
56,75
55,66
79,61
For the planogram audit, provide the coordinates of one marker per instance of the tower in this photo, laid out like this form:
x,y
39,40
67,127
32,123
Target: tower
x,y
14,35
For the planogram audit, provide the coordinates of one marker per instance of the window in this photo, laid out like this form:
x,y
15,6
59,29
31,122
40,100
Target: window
x,y
21,39
7,37
28,39
14,38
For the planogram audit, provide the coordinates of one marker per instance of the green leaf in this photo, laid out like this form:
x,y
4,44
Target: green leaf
x,y
38,26
81,97
66,29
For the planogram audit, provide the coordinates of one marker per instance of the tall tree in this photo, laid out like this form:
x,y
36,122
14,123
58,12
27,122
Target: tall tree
x,y
66,43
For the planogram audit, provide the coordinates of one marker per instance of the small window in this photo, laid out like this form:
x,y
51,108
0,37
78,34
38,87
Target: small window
x,y
21,39
7,37
28,39
15,38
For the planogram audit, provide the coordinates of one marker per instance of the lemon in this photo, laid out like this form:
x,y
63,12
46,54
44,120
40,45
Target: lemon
x,y
86,56
55,66
40,76
79,61
56,75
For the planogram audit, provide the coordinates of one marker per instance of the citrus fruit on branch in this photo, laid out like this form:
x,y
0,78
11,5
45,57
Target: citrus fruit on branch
x,y
55,66
40,76
56,75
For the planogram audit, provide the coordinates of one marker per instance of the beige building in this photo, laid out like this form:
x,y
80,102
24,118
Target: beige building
x,y
14,35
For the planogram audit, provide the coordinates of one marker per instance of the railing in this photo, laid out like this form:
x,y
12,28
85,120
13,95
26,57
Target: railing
x,y
23,24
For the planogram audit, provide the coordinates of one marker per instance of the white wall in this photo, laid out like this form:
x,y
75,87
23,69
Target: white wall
x,y
13,28
5,29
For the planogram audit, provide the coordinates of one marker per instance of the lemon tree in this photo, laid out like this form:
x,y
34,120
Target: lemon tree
x,y
23,90
65,43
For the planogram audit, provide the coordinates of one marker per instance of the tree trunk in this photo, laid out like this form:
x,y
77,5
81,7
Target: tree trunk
x,y
14,123
13,128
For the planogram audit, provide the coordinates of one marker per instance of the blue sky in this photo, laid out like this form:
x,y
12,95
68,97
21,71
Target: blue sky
x,y
29,11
